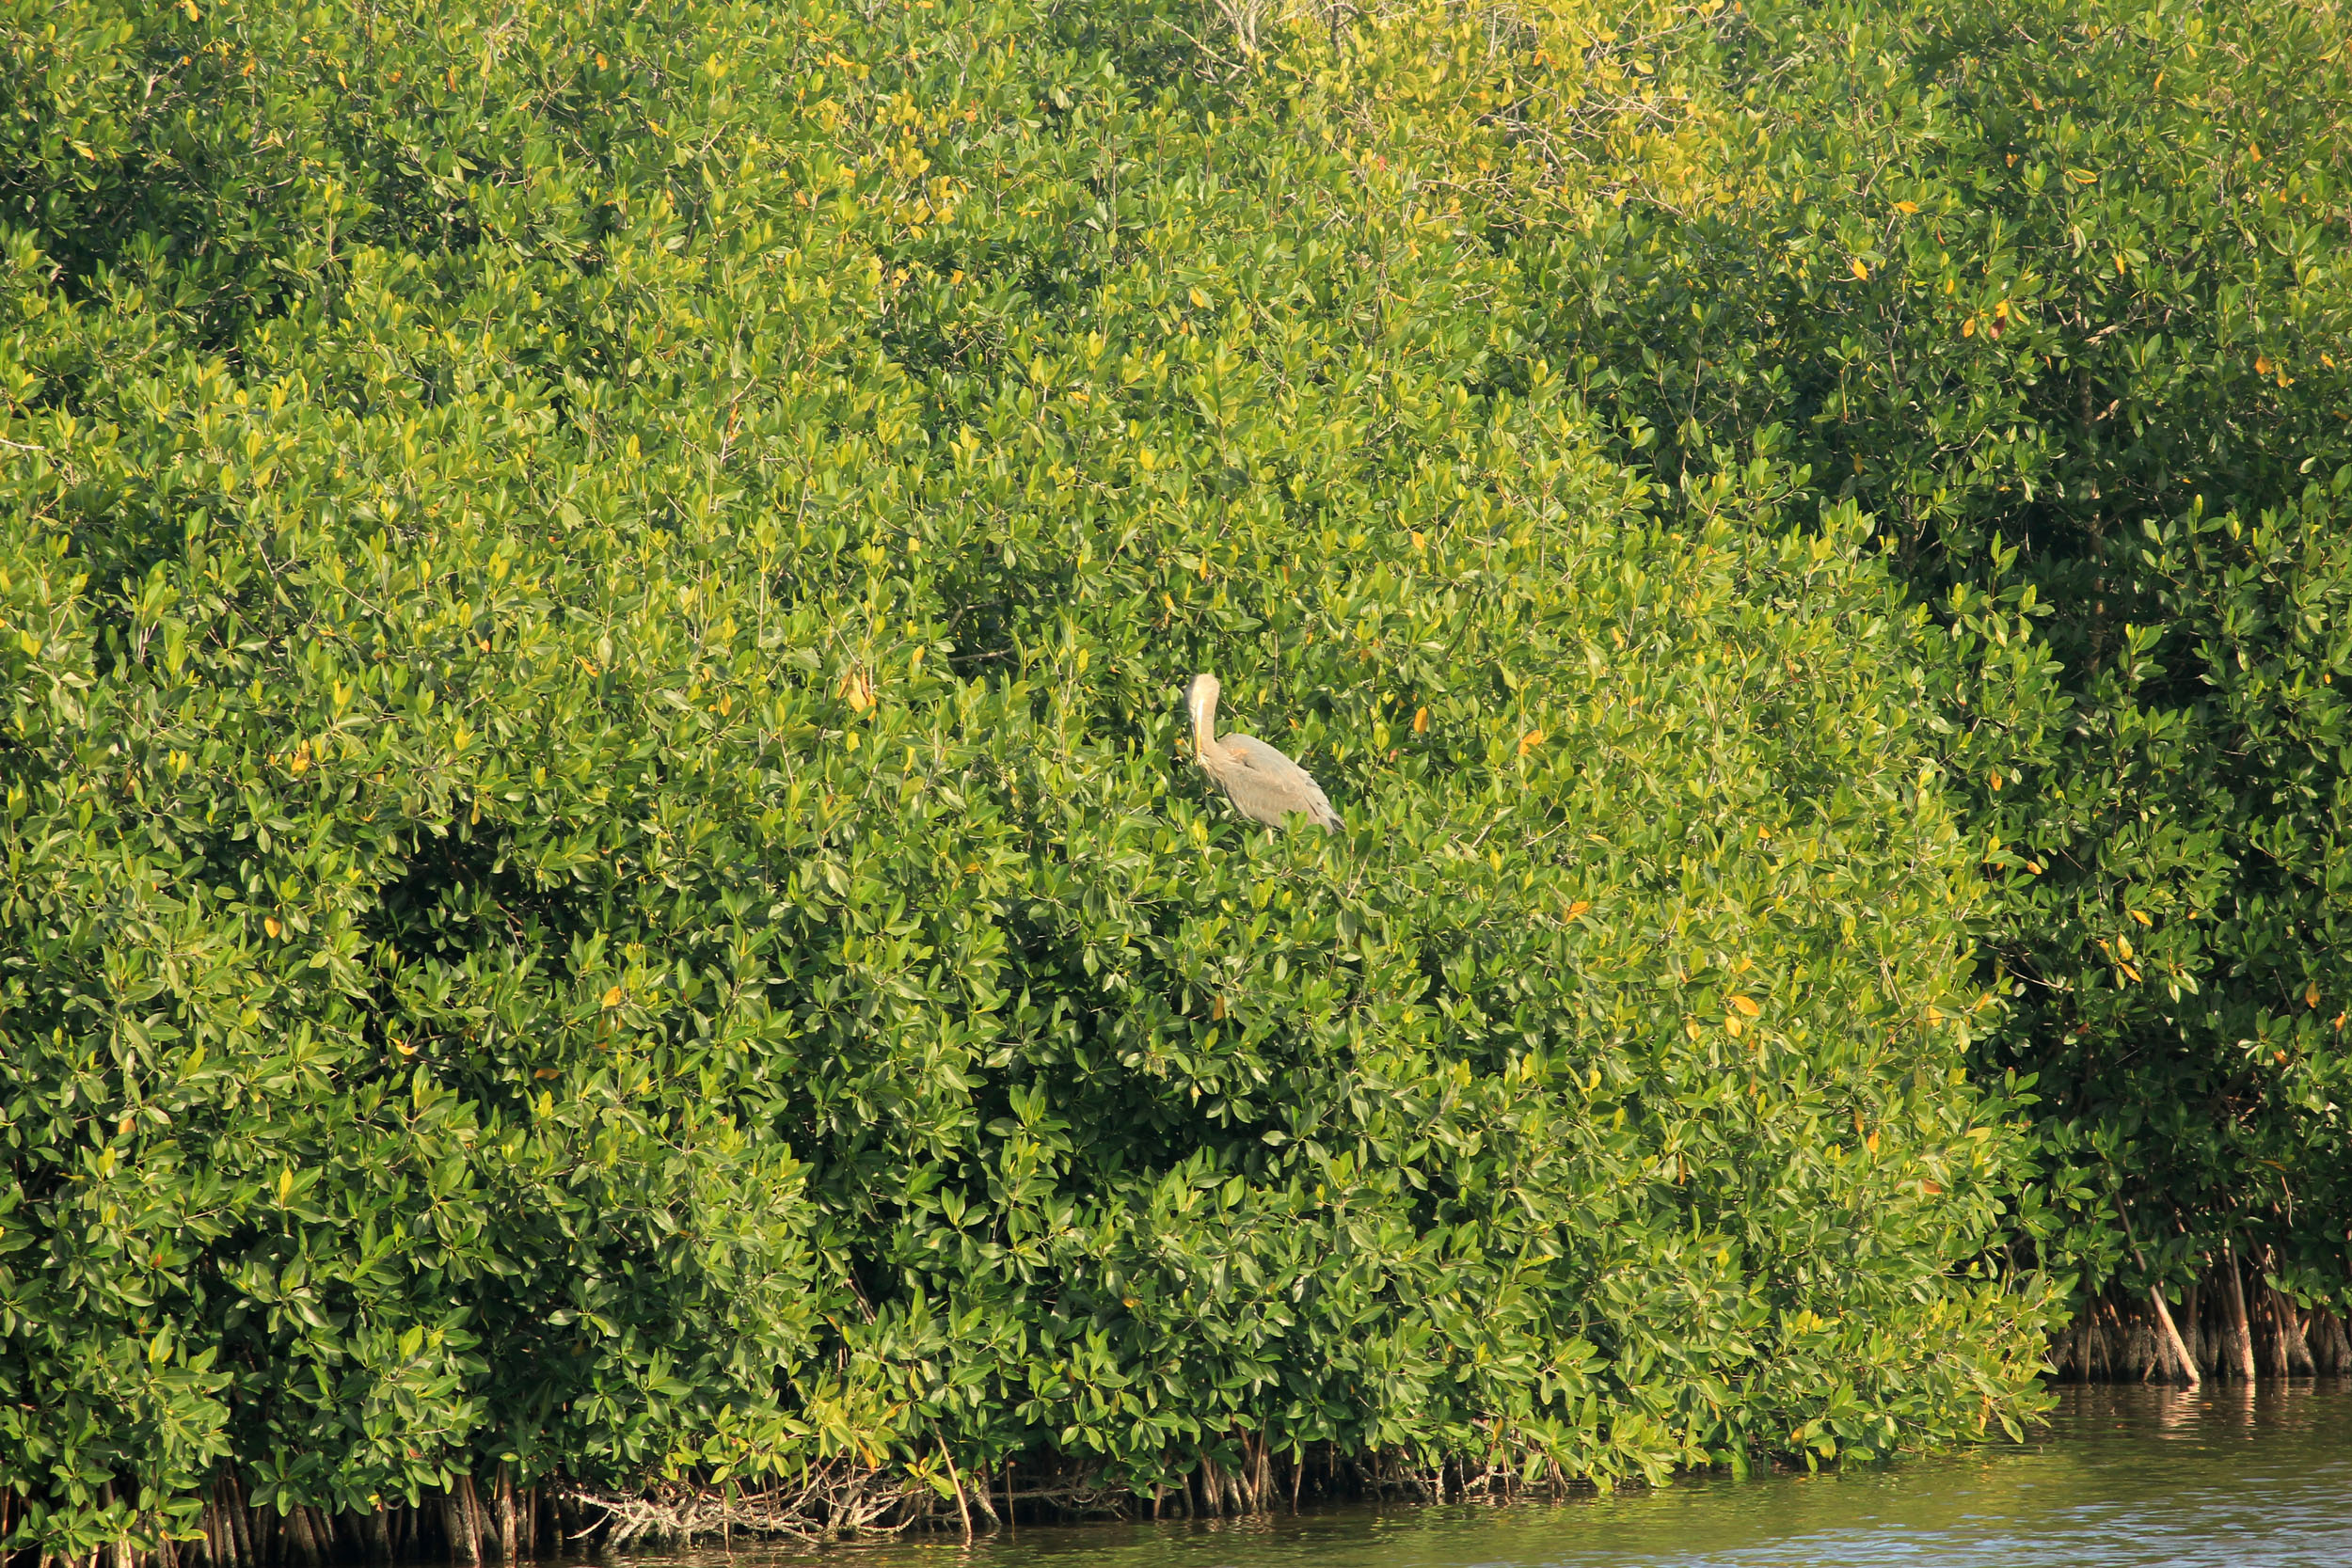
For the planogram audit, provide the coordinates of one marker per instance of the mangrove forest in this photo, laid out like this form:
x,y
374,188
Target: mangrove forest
x,y
607,929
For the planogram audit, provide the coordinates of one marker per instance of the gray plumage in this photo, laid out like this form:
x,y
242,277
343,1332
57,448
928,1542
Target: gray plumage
x,y
1264,785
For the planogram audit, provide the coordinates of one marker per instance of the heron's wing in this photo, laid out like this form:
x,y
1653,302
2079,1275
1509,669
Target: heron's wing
x,y
1267,786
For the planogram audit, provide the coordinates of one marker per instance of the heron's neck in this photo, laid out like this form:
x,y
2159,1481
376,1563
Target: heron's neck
x,y
1203,722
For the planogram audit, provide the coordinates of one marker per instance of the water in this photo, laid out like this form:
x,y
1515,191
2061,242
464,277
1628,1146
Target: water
x,y
2120,1477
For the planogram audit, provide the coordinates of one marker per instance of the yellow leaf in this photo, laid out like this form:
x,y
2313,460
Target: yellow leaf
x,y
2262,364
2310,995
613,997
1216,1007
1906,206
1081,661
271,925
403,1048
2141,915
1199,298
1996,780
1732,1025
2118,266
1746,1006
1968,327
1421,720
301,763
1861,268
1419,542
1578,908
1529,741
546,1072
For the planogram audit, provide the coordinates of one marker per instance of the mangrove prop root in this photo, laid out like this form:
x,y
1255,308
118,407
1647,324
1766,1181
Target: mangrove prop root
x,y
2141,1336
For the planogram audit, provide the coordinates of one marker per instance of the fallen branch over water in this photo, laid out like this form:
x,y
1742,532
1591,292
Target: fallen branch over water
x,y
828,1503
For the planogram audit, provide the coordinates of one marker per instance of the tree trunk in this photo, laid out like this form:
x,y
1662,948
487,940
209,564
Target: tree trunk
x,y
463,1547
298,1535
2265,1306
2294,1348
506,1513
2178,1353
988,1504
240,1532
2120,1355
479,1532
964,1510
224,1552
2339,1345
2241,1336
264,1526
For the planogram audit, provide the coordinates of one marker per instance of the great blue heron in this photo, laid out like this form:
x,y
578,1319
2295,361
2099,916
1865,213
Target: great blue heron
x,y
1264,785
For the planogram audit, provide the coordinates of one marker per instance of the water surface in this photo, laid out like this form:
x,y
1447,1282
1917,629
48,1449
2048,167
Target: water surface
x,y
2120,1477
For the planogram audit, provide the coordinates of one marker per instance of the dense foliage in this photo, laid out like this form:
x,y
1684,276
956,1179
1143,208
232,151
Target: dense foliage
x,y
2056,294
599,875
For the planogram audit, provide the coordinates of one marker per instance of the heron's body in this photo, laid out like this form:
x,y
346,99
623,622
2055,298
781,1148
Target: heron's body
x,y
1264,785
